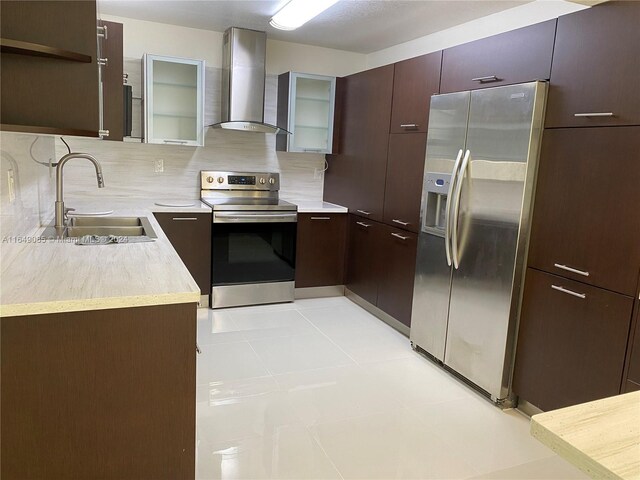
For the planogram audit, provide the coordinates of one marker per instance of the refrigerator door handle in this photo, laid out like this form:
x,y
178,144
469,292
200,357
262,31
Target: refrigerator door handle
x,y
447,214
456,210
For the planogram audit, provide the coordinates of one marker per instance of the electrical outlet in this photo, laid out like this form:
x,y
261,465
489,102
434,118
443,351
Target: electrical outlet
x,y
11,184
159,165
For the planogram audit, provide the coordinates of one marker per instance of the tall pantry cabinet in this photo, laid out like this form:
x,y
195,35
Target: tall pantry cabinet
x,y
378,175
584,256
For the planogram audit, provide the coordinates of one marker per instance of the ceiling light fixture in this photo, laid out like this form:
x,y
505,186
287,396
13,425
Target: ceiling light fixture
x,y
298,12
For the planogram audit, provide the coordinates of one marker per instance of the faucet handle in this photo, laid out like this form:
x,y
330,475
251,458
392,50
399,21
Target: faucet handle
x,y
66,211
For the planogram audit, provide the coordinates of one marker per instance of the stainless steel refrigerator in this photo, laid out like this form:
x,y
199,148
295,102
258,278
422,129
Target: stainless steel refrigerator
x,y
480,168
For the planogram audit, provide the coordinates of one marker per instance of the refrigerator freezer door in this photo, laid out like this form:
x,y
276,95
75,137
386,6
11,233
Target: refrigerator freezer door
x,y
447,134
503,137
431,291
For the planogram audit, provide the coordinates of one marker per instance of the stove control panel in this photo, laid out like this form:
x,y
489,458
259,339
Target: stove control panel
x,y
210,180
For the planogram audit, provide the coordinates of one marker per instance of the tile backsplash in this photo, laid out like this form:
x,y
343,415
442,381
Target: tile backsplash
x,y
27,182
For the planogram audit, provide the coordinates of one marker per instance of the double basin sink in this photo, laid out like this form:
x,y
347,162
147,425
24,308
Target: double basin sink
x,y
104,226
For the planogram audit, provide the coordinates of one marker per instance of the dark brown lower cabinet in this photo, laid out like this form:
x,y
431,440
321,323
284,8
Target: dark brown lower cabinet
x,y
107,394
632,382
381,265
397,271
320,248
571,342
190,235
362,258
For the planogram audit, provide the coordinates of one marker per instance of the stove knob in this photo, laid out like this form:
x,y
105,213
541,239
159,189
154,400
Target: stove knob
x,y
210,179
220,179
272,181
262,181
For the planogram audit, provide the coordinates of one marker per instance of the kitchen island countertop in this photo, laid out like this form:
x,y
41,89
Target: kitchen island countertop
x,y
602,437
55,276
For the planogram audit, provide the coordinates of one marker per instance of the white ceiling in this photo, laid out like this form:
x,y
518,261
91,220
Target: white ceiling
x,y
362,26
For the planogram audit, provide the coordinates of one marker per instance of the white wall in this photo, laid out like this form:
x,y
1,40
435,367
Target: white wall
x,y
295,57
142,37
500,22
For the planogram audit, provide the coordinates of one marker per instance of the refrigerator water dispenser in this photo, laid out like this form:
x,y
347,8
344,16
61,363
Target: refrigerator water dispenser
x,y
436,188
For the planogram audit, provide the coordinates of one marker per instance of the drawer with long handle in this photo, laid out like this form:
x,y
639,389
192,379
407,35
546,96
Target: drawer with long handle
x,y
572,341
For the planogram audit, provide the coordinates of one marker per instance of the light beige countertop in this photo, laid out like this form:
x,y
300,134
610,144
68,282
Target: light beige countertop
x,y
602,438
318,207
55,276
180,206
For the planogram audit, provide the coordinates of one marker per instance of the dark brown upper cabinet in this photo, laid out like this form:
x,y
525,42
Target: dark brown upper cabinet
x,y
190,235
585,222
356,176
49,69
596,66
521,55
320,249
112,90
397,257
403,190
571,342
414,81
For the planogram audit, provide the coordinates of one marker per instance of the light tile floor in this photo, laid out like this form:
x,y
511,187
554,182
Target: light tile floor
x,y
321,389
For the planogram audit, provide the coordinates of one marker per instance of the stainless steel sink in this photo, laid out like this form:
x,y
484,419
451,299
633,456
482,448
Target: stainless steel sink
x,y
105,222
104,226
102,230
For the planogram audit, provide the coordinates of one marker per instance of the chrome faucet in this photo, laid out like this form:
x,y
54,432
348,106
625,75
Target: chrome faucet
x,y
61,212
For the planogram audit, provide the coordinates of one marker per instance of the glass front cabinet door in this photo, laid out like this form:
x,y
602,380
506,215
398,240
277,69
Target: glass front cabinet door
x,y
173,100
305,108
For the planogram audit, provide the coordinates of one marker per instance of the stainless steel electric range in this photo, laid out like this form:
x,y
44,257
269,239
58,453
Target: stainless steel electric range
x,y
253,238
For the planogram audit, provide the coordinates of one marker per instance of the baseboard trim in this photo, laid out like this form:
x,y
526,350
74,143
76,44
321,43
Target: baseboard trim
x,y
527,408
372,309
204,301
319,292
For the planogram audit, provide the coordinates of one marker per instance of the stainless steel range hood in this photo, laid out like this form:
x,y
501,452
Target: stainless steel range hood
x,y
243,72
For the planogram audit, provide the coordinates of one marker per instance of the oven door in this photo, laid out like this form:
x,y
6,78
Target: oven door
x,y
253,247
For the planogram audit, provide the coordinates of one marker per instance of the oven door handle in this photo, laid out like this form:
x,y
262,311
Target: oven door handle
x,y
254,217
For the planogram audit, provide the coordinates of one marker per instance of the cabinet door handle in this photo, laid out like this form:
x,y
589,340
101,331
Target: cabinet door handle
x,y
401,237
594,114
180,142
185,218
362,224
320,218
570,292
490,78
409,125
317,150
198,351
395,220
363,212
572,270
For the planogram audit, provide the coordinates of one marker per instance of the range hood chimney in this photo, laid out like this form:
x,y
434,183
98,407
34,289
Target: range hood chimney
x,y
243,72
